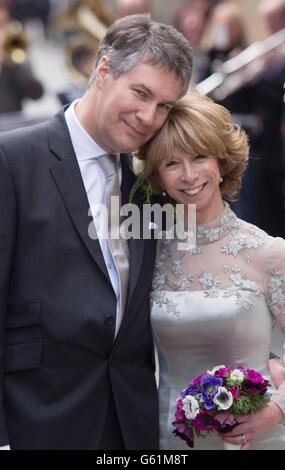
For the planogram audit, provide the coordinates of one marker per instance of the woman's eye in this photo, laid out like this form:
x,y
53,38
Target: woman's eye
x,y
200,157
171,163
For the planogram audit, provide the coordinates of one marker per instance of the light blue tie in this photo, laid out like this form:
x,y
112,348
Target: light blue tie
x,y
118,245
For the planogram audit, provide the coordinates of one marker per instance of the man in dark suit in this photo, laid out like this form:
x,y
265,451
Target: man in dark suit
x,y
77,365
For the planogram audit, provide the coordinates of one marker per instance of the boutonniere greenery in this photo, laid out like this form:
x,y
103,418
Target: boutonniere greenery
x,y
142,184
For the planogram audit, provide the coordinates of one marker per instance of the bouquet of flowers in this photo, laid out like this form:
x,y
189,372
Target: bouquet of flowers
x,y
211,401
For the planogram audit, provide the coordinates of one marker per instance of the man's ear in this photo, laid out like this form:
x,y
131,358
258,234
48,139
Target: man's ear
x,y
102,71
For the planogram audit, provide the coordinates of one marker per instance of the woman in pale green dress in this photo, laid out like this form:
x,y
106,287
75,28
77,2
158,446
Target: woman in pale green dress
x,y
214,303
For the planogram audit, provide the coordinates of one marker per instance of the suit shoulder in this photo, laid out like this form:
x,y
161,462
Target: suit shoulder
x,y
23,136
32,142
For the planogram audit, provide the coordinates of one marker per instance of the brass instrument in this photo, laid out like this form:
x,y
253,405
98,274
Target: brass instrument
x,y
239,70
80,52
84,25
15,44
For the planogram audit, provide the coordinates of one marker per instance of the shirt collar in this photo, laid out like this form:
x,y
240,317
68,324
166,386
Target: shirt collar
x,y
84,145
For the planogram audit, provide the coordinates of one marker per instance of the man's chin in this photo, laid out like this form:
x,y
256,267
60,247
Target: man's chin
x,y
131,147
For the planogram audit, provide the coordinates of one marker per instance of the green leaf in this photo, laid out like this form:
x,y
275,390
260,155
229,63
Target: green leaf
x,y
136,186
145,187
248,404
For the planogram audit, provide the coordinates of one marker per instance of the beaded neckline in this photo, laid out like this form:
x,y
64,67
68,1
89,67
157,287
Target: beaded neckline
x,y
218,228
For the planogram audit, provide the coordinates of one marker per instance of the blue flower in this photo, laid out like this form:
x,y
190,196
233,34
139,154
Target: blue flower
x,y
210,384
190,390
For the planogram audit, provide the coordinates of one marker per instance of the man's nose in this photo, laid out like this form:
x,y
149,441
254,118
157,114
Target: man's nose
x,y
146,114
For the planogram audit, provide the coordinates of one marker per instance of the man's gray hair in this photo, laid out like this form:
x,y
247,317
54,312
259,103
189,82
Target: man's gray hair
x,y
136,38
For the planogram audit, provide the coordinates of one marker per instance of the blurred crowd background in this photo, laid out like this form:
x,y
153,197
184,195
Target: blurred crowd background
x,y
47,50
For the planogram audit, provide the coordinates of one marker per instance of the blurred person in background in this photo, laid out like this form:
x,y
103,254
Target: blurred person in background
x,y
269,104
191,20
257,103
23,10
273,13
227,36
264,91
17,81
131,7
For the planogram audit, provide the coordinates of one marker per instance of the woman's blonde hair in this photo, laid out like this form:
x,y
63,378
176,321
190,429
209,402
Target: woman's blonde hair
x,y
199,126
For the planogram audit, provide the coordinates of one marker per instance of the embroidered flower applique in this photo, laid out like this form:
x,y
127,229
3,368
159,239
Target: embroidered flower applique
x,y
210,285
276,291
240,285
162,300
183,283
176,267
228,222
238,242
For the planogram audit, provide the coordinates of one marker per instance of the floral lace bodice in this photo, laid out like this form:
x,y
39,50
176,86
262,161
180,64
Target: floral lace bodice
x,y
230,256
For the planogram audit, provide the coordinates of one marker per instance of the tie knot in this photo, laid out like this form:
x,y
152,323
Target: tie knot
x,y
108,164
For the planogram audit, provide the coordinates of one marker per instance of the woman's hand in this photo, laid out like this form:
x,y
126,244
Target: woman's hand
x,y
253,425
277,371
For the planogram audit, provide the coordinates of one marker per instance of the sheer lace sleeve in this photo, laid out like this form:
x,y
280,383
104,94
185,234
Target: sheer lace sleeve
x,y
275,294
275,279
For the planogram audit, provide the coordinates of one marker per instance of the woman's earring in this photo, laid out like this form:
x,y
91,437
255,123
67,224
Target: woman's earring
x,y
163,193
221,179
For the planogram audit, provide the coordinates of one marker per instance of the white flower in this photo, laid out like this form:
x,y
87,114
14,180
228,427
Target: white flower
x,y
190,406
213,371
237,376
138,166
223,399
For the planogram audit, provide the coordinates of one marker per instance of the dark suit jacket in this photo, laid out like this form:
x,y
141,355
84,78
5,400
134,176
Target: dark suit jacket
x,y
59,361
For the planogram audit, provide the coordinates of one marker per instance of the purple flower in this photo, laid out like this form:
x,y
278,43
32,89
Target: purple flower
x,y
235,392
190,390
179,413
223,372
205,421
184,433
253,389
254,377
227,422
209,384
254,383
197,380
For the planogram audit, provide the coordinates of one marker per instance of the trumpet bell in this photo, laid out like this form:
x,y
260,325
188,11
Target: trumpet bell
x,y
80,53
15,45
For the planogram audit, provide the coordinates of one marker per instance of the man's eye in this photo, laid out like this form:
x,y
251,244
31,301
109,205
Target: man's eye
x,y
141,93
165,107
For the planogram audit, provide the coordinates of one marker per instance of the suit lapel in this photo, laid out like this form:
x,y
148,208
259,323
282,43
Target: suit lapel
x,y
67,177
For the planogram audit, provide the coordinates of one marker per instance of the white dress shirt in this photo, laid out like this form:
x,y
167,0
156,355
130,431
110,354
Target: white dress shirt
x,y
87,152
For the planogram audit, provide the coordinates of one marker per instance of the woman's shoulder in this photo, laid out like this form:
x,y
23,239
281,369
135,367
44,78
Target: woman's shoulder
x,y
272,247
249,228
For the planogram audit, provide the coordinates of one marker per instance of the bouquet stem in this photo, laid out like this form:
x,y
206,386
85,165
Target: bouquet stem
x,y
228,446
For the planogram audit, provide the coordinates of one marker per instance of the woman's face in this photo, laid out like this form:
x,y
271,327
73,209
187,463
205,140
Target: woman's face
x,y
193,179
